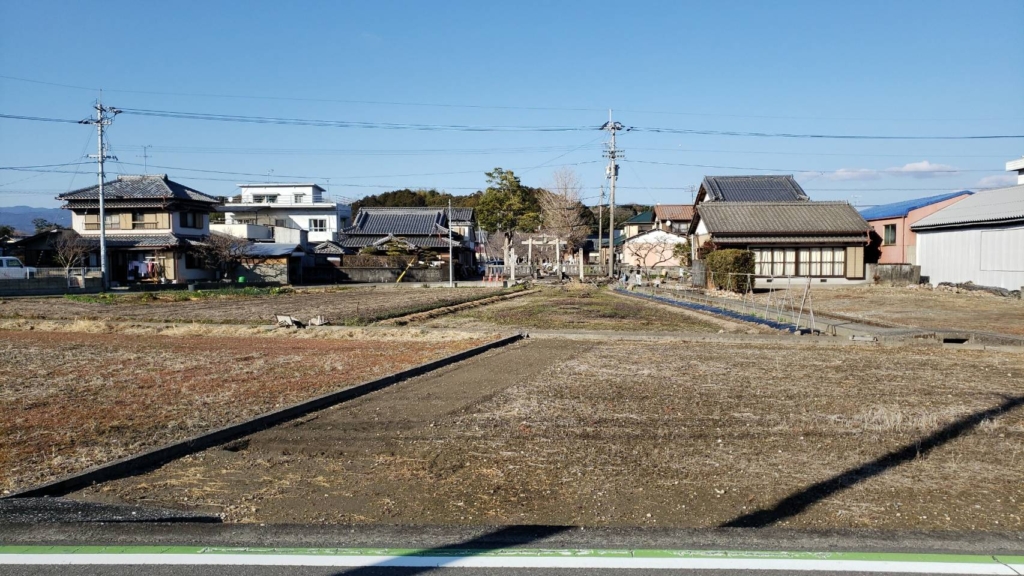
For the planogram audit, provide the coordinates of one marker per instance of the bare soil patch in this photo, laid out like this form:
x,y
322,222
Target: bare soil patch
x,y
921,307
636,434
72,400
575,307
340,306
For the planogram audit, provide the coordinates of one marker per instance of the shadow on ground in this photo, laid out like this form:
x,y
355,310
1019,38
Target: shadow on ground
x,y
800,501
500,539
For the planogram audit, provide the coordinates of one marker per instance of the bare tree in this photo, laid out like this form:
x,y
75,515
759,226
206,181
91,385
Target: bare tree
x,y
70,250
562,209
222,252
653,249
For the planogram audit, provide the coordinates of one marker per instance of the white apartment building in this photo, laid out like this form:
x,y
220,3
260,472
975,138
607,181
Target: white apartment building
x,y
293,206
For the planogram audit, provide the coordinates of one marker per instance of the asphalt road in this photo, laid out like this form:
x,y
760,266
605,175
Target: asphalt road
x,y
293,571
543,546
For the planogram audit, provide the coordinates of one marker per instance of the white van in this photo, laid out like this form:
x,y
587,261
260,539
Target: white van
x,y
12,268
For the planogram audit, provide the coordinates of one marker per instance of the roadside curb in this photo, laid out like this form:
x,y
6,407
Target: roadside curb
x,y
133,465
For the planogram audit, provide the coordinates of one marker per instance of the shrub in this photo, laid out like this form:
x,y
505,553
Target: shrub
x,y
729,269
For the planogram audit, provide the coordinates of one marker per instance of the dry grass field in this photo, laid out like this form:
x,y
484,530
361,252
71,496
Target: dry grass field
x,y
339,305
80,395
665,433
917,307
578,308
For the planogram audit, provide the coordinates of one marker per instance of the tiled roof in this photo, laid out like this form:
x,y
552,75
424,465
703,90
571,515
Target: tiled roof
x,y
143,240
420,241
140,187
901,209
382,221
674,212
458,214
1003,205
329,247
645,217
759,188
788,240
771,218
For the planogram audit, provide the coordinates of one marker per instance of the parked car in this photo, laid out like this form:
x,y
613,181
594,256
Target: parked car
x,y
12,269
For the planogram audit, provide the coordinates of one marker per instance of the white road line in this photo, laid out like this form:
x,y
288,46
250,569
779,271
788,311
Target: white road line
x,y
823,565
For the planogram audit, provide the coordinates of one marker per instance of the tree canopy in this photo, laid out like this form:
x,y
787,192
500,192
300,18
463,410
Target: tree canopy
x,y
405,198
507,206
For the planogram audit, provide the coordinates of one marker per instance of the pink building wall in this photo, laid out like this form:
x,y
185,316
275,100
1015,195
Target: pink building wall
x,y
904,250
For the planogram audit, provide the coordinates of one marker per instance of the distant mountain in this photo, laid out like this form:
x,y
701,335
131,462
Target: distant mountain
x,y
21,217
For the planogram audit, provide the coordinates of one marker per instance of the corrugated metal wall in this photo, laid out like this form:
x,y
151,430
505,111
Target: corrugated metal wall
x,y
989,257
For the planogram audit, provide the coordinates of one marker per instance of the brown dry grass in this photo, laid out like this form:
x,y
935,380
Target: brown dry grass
x,y
340,306
636,434
74,399
576,307
924,308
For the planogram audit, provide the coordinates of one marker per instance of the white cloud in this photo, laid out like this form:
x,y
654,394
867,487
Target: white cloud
x,y
852,174
998,181
922,169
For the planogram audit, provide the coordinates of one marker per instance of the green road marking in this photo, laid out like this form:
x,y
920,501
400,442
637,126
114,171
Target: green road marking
x,y
522,552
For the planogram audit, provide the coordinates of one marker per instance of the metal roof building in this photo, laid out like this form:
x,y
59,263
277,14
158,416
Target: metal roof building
x,y
979,239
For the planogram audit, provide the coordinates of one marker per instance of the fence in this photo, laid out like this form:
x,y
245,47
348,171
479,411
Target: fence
x,y
61,273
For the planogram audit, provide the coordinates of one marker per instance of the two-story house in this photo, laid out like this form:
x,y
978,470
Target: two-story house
x,y
287,206
151,222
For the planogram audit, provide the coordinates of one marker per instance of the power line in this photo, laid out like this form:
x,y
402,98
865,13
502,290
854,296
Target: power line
x,y
346,123
39,119
692,132
490,106
793,170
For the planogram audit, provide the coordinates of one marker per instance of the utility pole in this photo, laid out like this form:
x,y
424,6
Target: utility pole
x,y
104,117
145,158
451,262
600,225
612,172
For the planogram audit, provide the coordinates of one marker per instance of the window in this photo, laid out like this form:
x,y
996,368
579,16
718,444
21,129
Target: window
x,y
265,199
782,262
300,198
280,222
113,221
194,261
318,224
191,219
889,234
144,221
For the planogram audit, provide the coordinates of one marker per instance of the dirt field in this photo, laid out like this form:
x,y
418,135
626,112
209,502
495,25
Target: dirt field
x,y
654,434
340,306
72,400
932,309
577,308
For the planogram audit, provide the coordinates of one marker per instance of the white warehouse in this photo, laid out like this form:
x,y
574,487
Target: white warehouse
x,y
294,206
979,239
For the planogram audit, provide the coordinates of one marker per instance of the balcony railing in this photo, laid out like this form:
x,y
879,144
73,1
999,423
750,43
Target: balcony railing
x,y
96,226
144,226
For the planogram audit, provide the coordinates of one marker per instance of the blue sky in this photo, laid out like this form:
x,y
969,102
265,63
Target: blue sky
x,y
904,68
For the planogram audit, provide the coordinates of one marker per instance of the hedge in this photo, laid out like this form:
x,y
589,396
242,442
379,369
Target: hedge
x,y
729,269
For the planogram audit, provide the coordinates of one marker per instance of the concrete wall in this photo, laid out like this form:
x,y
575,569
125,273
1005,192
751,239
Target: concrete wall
x,y
49,286
390,275
895,274
985,256
271,271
